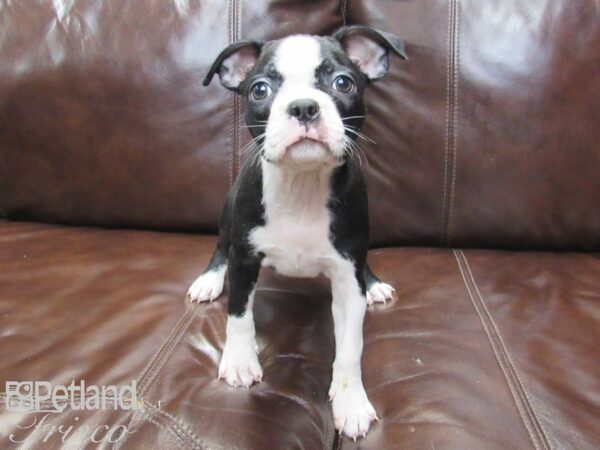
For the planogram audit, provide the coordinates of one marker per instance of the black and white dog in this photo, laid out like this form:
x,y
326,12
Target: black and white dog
x,y
299,204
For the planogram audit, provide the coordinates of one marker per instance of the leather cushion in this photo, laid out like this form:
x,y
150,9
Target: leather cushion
x,y
481,349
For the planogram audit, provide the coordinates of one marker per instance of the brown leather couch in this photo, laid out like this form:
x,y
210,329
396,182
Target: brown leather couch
x,y
485,206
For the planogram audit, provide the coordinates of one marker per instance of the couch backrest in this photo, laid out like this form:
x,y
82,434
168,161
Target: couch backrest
x,y
488,136
492,138
103,116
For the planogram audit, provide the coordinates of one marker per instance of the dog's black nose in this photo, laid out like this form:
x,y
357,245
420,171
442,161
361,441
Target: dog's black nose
x,y
305,110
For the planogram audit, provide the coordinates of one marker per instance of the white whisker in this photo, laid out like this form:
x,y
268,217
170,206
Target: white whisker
x,y
359,134
353,117
354,150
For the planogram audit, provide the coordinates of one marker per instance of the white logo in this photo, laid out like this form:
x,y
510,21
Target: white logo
x,y
42,396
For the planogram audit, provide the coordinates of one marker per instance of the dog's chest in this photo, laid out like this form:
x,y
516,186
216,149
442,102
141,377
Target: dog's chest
x,y
295,246
295,239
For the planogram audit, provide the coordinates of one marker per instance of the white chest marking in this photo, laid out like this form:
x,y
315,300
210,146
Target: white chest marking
x,y
295,238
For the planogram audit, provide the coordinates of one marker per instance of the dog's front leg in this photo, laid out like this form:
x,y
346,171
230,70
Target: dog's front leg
x,y
352,411
239,363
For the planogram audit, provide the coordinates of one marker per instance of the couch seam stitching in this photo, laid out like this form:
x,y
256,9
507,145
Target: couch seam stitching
x,y
238,105
232,131
518,393
233,37
156,354
455,128
447,131
166,354
344,12
132,421
495,350
177,426
164,351
537,424
450,141
232,98
150,418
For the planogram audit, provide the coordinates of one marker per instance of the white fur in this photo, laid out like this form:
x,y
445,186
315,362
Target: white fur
x,y
296,59
295,238
380,293
295,241
239,365
208,286
352,411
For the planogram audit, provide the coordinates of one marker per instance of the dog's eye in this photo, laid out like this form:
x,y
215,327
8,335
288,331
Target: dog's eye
x,y
343,84
260,91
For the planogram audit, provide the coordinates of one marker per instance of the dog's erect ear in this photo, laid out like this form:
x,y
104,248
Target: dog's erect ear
x,y
234,63
369,48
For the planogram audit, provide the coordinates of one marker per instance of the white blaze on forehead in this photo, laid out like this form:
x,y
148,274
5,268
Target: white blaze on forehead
x,y
296,59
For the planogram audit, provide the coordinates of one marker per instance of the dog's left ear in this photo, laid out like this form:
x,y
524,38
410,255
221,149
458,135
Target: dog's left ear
x,y
234,63
369,48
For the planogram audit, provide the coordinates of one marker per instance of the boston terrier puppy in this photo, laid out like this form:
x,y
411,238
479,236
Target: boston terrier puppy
x,y
299,204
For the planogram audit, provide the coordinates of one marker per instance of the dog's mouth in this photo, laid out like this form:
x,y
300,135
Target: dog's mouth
x,y
298,133
307,139
307,150
301,146
307,143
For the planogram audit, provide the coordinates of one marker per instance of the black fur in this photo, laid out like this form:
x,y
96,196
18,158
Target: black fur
x,y
242,212
348,203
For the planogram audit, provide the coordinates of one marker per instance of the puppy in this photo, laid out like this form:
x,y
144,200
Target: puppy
x,y
299,204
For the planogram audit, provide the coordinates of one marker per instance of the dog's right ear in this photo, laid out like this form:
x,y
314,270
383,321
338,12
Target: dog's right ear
x,y
234,63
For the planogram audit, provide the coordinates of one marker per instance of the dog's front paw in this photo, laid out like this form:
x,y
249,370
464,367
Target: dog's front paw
x,y
352,411
207,286
380,293
239,366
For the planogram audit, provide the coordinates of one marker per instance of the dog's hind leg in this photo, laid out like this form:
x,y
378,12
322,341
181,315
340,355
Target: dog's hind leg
x,y
377,291
209,285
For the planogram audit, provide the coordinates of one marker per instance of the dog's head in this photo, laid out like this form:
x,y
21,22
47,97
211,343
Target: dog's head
x,y
303,94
